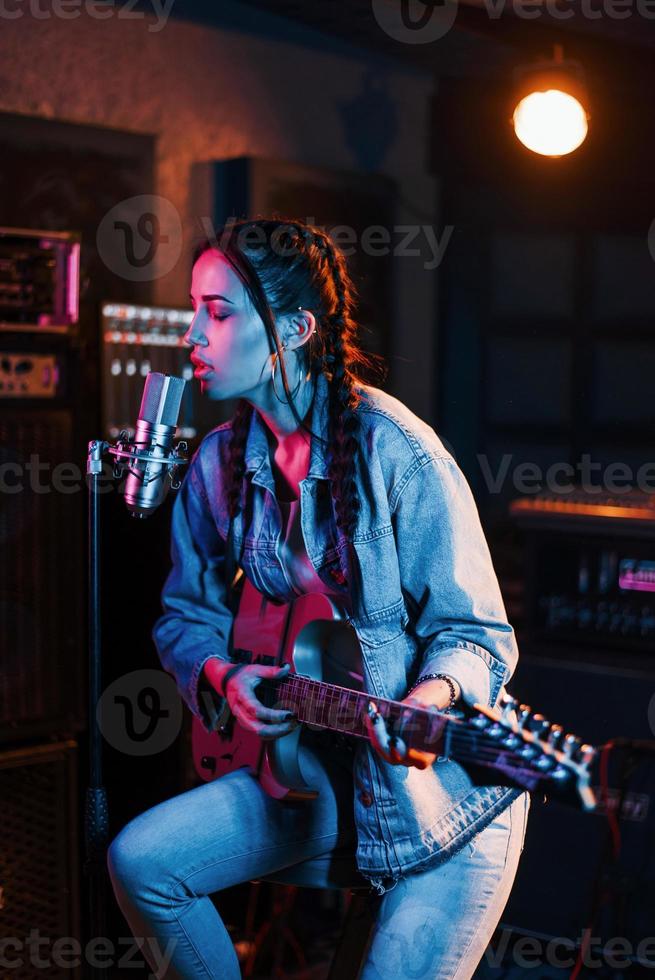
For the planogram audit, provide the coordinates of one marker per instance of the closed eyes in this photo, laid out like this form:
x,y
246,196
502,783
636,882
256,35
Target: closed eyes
x,y
213,315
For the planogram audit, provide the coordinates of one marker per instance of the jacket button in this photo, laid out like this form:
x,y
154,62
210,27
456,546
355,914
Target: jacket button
x,y
365,799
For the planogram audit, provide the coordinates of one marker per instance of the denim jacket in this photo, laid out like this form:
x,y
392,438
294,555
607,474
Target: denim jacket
x,y
427,601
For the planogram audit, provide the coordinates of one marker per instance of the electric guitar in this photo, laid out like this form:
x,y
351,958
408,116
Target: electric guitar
x,y
511,745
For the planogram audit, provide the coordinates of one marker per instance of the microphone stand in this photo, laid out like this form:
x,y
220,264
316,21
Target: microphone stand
x,y
96,813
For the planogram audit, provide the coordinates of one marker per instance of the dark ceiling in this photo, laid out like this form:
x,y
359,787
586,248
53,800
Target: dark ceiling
x,y
574,23
485,40
486,35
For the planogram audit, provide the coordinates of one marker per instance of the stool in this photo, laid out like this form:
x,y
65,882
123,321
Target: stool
x,y
274,933
351,949
356,936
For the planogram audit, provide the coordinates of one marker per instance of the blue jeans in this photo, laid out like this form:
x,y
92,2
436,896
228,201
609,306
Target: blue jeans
x,y
167,861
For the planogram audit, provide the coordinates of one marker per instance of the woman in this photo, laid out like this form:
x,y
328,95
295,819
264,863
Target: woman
x,y
323,484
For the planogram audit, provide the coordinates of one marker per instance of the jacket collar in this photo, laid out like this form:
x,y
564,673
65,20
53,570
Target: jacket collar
x,y
257,459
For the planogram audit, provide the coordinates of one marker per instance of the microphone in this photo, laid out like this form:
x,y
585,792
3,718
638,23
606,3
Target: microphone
x,y
150,455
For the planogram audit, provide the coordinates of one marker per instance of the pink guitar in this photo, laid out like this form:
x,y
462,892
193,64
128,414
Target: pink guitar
x,y
513,745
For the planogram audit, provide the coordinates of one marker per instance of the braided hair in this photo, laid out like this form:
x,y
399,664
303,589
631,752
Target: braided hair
x,y
286,264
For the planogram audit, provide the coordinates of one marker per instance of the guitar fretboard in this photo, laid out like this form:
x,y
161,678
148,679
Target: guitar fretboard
x,y
341,709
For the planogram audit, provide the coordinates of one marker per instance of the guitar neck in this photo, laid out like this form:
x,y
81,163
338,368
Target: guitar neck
x,y
489,740
341,709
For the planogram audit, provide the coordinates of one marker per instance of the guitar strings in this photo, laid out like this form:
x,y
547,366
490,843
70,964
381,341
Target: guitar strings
x,y
473,751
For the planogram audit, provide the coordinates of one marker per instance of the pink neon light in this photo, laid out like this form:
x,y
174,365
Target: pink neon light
x,y
628,580
73,282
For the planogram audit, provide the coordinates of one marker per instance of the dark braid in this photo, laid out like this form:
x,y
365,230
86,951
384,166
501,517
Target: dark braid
x,y
339,360
237,456
299,265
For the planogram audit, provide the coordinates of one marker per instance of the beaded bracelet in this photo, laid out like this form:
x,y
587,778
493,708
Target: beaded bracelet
x,y
440,677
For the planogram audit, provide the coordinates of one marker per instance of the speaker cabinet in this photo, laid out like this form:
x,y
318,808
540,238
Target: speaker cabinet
x,y
41,574
39,871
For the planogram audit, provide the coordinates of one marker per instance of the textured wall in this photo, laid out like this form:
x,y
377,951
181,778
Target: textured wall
x,y
209,93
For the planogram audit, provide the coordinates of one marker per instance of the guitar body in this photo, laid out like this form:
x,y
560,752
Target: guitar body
x,y
311,635
325,690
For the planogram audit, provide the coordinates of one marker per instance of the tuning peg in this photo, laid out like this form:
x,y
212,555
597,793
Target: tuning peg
x,y
508,705
571,745
560,774
511,741
524,713
496,730
555,736
538,725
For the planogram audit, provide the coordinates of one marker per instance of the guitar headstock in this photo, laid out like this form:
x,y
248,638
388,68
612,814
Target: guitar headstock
x,y
555,759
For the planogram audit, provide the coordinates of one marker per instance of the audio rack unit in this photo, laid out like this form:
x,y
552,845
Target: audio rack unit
x,y
39,280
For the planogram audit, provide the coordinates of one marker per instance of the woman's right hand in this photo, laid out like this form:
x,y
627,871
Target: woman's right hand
x,y
267,723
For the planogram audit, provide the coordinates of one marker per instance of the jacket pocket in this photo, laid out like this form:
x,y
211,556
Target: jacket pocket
x,y
386,656
383,626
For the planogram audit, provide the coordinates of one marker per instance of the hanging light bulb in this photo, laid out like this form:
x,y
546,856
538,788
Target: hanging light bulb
x,y
552,123
550,117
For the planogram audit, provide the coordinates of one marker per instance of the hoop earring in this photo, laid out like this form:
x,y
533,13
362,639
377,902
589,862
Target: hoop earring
x,y
273,370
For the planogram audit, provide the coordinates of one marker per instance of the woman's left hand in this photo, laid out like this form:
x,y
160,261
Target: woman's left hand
x,y
431,694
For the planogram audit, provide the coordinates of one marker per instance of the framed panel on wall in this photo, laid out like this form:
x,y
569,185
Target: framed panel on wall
x,y
59,176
